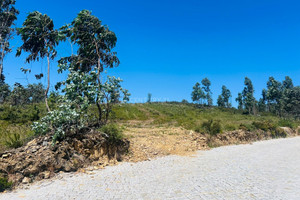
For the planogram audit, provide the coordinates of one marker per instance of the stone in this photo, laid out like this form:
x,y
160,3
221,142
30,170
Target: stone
x,y
47,174
26,180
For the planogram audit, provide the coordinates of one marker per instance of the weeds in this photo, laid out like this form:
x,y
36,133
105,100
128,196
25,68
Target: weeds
x,y
113,132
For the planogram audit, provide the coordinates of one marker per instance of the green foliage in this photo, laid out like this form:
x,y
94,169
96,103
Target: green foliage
x,y
39,37
22,114
113,132
61,121
13,141
149,98
248,98
229,127
286,123
8,14
223,99
13,135
212,127
206,87
5,184
264,125
246,127
198,94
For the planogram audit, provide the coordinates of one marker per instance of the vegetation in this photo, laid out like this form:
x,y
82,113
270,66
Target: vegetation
x,y
4,184
113,132
8,15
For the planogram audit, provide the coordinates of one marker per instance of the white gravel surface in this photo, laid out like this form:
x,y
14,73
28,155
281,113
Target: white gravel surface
x,y
263,170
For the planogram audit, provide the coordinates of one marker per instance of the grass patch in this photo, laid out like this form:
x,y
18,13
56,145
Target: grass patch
x,y
114,133
4,184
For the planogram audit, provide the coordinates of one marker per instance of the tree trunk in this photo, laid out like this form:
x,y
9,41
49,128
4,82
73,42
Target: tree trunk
x,y
48,85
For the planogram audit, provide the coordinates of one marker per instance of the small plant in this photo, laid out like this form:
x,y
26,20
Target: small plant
x,y
113,132
13,141
212,127
4,184
278,132
264,125
229,127
246,127
285,123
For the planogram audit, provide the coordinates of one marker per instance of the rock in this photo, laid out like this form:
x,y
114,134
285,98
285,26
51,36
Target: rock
x,y
47,174
26,180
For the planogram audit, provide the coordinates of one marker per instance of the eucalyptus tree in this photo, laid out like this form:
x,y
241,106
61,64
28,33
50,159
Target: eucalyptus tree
x,y
8,14
239,99
226,95
262,103
287,83
292,102
248,96
274,95
206,87
39,40
95,43
197,93
4,92
220,101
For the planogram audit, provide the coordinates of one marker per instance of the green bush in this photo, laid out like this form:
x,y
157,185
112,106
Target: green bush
x,y
286,123
264,125
229,127
13,140
113,132
212,127
246,127
278,132
4,184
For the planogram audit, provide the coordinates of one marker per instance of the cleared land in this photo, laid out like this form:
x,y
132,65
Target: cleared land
x,y
264,170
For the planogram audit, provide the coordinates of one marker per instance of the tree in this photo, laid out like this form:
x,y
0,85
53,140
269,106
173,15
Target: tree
x,y
287,83
274,94
4,92
291,102
95,43
206,87
19,95
8,14
226,94
197,93
262,107
39,40
248,98
36,92
239,99
149,98
220,101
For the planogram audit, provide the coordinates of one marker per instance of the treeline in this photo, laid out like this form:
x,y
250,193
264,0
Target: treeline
x,y
20,95
280,98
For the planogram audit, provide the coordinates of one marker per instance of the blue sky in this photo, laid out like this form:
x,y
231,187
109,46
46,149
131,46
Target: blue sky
x,y
166,46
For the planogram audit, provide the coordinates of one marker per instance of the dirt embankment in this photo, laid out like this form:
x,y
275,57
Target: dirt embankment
x,y
39,159
148,141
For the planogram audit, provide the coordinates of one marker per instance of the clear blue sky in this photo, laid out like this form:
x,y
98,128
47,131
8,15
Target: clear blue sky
x,y
166,46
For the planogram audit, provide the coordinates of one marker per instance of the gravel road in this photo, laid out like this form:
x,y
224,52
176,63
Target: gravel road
x,y
263,170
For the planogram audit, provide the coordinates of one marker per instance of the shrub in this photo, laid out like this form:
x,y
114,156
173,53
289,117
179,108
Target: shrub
x,y
246,127
229,127
13,140
4,184
264,125
278,132
113,132
59,121
212,127
285,123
